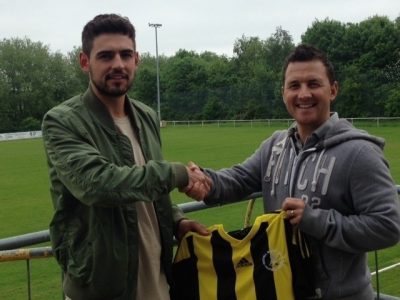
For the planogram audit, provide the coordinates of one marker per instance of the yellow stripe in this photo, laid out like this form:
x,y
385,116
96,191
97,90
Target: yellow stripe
x,y
207,275
244,288
280,257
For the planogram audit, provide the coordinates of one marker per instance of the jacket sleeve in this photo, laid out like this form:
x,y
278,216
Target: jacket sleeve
x,y
235,183
76,163
375,220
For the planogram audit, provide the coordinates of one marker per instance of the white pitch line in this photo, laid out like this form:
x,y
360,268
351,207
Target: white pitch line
x,y
385,269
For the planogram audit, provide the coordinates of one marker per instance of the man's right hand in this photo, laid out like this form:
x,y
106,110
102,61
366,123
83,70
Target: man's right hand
x,y
199,183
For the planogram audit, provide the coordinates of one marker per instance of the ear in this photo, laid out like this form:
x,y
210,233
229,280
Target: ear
x,y
137,58
283,98
334,90
84,62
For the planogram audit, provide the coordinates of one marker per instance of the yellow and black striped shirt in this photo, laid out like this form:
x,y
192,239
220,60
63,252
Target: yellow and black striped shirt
x,y
261,262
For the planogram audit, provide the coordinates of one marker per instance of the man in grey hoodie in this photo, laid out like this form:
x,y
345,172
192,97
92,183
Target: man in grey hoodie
x,y
331,179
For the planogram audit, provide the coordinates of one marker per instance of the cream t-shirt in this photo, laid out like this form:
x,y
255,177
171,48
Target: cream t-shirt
x,y
152,282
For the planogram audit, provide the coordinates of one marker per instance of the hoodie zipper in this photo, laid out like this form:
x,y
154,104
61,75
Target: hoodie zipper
x,y
298,158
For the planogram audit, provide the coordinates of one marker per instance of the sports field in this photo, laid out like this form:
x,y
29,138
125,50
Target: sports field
x,y
26,205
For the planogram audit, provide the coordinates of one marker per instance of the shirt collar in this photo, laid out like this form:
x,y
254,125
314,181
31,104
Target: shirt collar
x,y
316,136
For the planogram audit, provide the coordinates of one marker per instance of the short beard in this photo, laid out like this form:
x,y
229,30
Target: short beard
x,y
107,91
111,92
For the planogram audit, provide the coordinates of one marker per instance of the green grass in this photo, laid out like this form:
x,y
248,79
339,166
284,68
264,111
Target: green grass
x,y
24,187
26,204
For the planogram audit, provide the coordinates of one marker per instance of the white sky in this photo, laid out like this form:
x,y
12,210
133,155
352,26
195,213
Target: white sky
x,y
211,25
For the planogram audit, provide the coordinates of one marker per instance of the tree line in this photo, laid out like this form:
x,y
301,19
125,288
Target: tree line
x,y
207,86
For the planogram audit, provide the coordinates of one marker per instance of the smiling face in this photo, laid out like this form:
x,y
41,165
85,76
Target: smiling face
x,y
308,93
111,65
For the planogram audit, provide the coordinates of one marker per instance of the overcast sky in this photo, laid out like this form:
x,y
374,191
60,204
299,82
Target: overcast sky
x,y
198,25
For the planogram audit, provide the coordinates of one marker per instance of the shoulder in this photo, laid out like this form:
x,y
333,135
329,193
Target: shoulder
x,y
68,114
145,115
64,109
140,107
275,139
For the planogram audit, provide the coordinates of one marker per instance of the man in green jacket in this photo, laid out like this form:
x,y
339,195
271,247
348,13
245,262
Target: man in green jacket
x,y
113,226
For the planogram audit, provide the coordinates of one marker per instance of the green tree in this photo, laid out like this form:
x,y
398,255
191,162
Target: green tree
x,y
184,86
145,85
5,104
392,75
220,75
362,53
277,48
328,35
251,75
214,109
258,64
34,80
23,65
366,57
80,80
392,104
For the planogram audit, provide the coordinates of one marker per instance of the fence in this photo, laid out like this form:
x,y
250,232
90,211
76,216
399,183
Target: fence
x,y
20,135
9,251
373,121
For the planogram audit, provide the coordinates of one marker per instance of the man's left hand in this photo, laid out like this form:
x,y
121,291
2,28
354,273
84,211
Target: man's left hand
x,y
186,225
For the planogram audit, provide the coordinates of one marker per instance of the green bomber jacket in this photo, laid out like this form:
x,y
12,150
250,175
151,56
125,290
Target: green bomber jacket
x,y
94,184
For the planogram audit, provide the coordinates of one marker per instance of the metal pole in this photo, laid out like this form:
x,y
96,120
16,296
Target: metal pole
x,y
158,71
377,276
28,271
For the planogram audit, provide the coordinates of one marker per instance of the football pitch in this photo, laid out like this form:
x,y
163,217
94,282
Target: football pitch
x,y
26,204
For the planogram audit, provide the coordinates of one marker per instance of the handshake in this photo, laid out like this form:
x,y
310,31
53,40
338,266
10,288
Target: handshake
x,y
199,184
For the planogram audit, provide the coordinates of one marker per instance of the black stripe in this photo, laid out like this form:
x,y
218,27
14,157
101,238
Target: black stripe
x,y
222,260
186,281
195,275
302,271
263,278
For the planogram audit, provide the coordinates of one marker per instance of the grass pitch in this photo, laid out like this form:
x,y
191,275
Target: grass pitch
x,y
26,204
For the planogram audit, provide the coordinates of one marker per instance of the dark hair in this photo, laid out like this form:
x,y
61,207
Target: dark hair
x,y
105,23
304,53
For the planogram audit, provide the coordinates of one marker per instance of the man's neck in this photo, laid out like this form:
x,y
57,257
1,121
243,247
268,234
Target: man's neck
x,y
115,105
304,133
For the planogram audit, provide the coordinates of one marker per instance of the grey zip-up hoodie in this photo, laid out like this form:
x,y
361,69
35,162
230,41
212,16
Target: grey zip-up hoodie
x,y
352,203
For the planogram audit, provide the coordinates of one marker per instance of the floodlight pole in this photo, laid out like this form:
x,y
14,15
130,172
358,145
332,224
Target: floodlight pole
x,y
155,25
